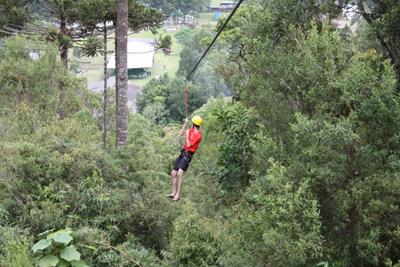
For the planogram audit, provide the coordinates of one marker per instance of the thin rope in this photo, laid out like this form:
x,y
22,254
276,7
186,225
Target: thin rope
x,y
186,100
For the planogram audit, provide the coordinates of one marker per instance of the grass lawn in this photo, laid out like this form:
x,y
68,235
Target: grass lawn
x,y
215,2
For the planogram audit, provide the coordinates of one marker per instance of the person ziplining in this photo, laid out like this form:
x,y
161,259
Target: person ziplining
x,y
192,139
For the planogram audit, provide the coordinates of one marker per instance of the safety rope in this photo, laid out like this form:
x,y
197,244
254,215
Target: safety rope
x,y
186,100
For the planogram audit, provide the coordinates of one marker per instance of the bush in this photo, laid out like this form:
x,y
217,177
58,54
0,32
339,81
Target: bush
x,y
195,241
276,224
15,248
57,250
98,251
42,173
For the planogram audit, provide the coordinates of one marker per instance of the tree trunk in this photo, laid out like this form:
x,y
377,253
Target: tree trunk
x,y
64,46
122,73
64,59
105,104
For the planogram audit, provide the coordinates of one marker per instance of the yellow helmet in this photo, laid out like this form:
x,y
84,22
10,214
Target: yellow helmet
x,y
197,120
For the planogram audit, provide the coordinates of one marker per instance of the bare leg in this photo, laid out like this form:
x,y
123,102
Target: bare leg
x,y
174,183
179,184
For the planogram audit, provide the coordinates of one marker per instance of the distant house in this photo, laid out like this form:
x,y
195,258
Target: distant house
x,y
224,6
227,5
140,59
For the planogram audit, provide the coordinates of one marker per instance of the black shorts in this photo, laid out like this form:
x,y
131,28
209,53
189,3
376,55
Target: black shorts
x,y
182,162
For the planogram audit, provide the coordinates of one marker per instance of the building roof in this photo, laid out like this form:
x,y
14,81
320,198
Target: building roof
x,y
140,55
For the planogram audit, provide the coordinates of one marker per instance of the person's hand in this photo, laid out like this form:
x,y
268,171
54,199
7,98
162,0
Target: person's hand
x,y
186,120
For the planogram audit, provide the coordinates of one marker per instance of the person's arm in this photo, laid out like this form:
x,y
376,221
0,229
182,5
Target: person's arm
x,y
187,139
186,120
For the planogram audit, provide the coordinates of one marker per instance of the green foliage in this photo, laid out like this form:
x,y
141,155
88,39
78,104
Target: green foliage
x,y
238,125
24,79
142,17
331,120
192,50
174,7
382,18
92,46
91,13
168,93
184,35
29,86
56,250
277,224
196,241
164,43
14,248
302,169
156,112
62,177
57,152
14,14
95,12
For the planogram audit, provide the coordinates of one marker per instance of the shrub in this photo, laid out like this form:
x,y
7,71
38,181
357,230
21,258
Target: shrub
x,y
195,241
276,224
15,248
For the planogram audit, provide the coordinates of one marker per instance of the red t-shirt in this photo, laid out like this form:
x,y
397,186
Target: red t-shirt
x,y
194,140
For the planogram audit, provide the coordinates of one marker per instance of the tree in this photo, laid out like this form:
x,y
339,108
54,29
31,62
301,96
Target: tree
x,y
276,223
122,72
167,7
192,6
327,113
136,17
80,19
13,16
28,81
175,7
238,124
65,15
193,48
100,17
384,17
97,16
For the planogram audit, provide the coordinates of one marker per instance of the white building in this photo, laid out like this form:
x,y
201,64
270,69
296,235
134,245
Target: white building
x,y
140,58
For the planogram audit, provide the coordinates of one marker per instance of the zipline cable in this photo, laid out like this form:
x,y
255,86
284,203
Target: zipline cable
x,y
186,89
215,39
